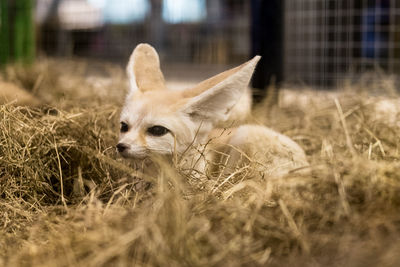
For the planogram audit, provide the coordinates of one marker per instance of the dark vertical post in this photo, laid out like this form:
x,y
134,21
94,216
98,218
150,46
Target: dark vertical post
x,y
156,25
267,41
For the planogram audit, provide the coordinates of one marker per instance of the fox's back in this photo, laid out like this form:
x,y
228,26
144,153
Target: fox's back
x,y
270,152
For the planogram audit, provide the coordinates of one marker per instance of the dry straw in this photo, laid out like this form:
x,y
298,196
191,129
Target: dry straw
x,y
67,199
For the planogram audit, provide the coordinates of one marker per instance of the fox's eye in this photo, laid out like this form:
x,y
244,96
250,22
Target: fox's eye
x,y
124,127
157,130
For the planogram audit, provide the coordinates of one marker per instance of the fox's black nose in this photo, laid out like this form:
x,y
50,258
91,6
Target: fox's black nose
x,y
121,147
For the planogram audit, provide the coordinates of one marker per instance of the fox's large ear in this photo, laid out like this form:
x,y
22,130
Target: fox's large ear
x,y
213,99
143,69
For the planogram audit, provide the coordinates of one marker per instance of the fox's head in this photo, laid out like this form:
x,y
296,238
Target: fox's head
x,y
156,120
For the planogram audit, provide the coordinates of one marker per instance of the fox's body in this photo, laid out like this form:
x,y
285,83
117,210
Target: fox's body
x,y
159,121
271,152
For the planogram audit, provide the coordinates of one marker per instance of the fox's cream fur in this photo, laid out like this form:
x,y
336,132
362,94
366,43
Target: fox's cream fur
x,y
159,121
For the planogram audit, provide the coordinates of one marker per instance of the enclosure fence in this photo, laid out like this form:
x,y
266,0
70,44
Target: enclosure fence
x,y
326,42
329,42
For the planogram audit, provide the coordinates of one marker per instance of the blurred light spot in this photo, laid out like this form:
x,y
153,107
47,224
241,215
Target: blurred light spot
x,y
98,3
178,11
123,11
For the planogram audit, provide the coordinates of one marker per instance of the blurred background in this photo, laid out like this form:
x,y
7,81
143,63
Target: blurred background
x,y
317,43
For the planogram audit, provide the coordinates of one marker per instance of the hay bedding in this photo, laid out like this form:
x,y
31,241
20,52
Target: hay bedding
x,y
67,199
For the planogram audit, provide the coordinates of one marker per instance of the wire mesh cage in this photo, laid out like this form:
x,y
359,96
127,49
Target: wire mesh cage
x,y
328,42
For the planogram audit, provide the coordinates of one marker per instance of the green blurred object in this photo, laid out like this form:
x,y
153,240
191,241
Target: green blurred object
x,y
4,33
17,38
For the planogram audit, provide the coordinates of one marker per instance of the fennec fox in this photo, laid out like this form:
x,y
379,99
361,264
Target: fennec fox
x,y
159,121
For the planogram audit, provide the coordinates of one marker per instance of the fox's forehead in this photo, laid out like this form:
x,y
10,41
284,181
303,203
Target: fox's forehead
x,y
152,103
